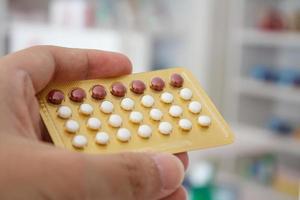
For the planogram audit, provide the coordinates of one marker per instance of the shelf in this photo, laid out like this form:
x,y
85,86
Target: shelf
x,y
263,38
251,189
256,139
269,90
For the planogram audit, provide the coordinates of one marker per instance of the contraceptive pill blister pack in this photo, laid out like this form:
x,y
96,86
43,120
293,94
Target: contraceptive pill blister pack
x,y
164,111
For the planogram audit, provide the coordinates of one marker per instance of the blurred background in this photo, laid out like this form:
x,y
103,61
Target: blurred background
x,y
246,54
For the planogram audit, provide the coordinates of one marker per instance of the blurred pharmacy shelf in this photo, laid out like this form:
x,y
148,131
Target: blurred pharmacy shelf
x,y
132,43
252,137
269,90
3,27
250,140
250,189
263,38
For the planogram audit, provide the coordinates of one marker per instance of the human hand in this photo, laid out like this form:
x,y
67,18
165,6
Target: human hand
x,y
33,169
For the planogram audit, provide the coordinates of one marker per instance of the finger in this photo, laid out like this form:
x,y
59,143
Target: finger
x,y
179,194
135,176
58,174
184,159
46,63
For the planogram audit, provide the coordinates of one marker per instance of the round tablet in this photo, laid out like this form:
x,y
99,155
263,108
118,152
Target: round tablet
x,y
64,112
93,123
176,80
167,97
72,126
157,84
204,120
118,89
102,138
175,111
186,93
145,131
138,87
165,128
136,117
77,95
185,124
123,135
86,109
55,97
79,141
107,107
127,104
115,120
195,107
98,92
156,114
147,101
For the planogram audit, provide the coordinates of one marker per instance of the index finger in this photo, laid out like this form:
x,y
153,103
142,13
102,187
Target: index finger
x,y
51,63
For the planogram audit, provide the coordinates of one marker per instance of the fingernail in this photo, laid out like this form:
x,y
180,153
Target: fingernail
x,y
171,172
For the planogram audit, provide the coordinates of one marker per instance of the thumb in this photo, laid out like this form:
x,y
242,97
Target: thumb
x,y
133,176
39,171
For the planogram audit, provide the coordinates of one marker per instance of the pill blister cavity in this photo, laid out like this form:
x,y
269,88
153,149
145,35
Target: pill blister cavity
x,y
102,138
115,120
72,126
79,141
123,135
86,109
107,107
64,112
186,94
93,123
204,120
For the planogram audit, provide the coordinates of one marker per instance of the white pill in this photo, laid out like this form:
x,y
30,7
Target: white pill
x,y
64,112
175,111
102,138
204,120
156,114
136,117
127,104
93,123
145,131
195,107
107,107
185,124
166,97
186,93
147,101
115,120
123,135
165,128
72,126
86,109
79,141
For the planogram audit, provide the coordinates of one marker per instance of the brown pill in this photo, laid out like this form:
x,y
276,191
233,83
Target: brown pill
x,y
55,97
118,89
176,80
157,84
77,95
138,87
98,92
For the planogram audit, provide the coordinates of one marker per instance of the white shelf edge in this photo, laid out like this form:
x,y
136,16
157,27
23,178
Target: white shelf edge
x,y
264,38
257,138
269,90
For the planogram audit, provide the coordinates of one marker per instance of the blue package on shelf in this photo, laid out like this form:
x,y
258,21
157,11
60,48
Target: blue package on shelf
x,y
288,77
280,126
264,73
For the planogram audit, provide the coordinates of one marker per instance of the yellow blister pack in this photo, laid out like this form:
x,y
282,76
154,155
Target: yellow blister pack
x,y
164,111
